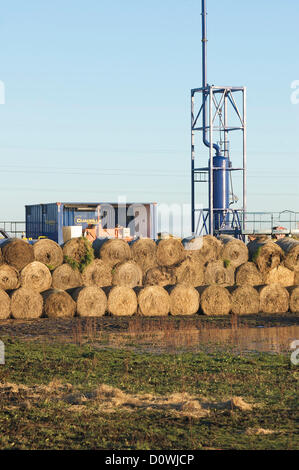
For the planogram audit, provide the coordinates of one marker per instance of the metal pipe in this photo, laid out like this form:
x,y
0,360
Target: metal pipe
x,y
211,172
204,75
244,157
192,168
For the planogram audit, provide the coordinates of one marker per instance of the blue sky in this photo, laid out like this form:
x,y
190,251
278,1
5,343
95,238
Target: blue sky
x,y
98,98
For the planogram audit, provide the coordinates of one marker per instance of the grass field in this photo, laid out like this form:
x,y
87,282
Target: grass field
x,y
55,395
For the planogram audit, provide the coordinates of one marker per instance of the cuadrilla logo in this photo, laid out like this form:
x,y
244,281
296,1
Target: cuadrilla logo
x,y
2,353
295,354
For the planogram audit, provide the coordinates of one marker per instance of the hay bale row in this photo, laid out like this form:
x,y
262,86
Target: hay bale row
x,y
24,303
148,254
178,277
189,272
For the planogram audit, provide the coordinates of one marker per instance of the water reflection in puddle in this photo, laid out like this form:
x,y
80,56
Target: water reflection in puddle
x,y
239,339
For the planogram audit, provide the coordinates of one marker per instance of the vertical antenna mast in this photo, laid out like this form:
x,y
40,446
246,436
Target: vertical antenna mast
x,y
204,41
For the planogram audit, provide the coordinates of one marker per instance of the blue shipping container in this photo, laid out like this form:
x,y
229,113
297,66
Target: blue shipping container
x,y
49,219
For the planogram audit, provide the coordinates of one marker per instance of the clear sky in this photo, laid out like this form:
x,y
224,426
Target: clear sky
x,y
97,98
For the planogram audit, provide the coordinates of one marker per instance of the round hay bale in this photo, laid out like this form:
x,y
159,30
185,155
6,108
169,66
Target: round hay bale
x,y
273,298
64,277
127,273
159,276
217,273
114,251
26,303
78,253
98,273
290,246
215,300
248,274
245,300
190,272
17,253
58,304
265,254
144,253
294,298
234,251
280,275
97,245
184,300
296,277
122,300
1,257
153,301
48,252
91,301
9,277
36,276
4,305
170,252
205,249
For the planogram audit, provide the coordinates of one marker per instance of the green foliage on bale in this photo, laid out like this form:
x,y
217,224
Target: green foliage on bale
x,y
85,259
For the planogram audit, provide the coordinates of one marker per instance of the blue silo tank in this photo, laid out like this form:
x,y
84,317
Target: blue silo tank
x,y
220,191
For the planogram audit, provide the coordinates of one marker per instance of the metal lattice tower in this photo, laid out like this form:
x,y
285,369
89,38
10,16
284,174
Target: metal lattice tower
x,y
217,111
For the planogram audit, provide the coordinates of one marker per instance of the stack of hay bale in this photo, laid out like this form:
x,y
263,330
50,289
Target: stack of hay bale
x,y
171,276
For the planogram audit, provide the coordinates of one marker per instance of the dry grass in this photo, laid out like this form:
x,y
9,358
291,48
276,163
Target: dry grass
x,y
190,272
17,253
98,273
160,276
215,300
36,276
234,250
114,251
122,300
248,274
266,254
153,301
4,305
91,301
58,304
216,273
127,273
9,277
184,300
144,252
170,252
48,252
65,277
26,303
273,298
280,275
109,399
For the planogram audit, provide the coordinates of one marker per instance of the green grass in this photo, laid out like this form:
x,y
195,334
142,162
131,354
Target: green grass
x,y
226,263
265,379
